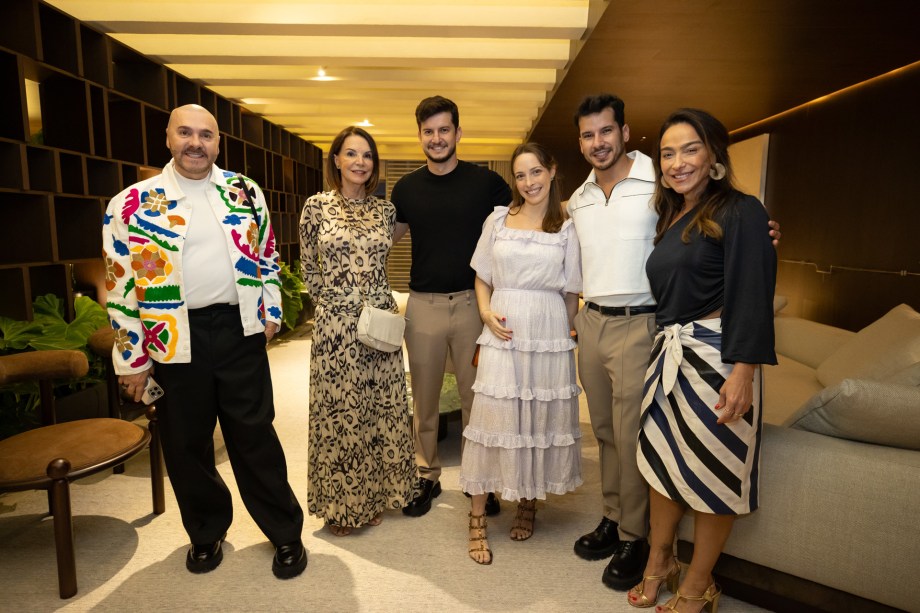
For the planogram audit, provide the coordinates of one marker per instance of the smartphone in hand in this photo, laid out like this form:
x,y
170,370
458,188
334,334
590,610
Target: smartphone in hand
x,y
152,392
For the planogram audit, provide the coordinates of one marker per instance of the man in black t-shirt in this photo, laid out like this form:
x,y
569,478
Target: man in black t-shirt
x,y
444,203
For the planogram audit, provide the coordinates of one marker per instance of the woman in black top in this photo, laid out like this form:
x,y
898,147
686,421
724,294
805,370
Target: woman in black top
x,y
712,272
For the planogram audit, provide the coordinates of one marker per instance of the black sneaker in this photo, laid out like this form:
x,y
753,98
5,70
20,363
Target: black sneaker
x,y
421,504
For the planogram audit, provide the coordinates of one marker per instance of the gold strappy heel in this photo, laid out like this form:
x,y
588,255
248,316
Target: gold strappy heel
x,y
524,520
710,598
670,580
478,522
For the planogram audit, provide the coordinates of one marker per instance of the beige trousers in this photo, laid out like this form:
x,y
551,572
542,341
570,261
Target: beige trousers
x,y
438,326
613,354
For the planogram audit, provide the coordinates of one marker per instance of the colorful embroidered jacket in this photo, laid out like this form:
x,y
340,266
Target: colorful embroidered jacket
x,y
143,234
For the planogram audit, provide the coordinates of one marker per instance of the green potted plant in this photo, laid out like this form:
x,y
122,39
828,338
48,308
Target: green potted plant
x,y
293,295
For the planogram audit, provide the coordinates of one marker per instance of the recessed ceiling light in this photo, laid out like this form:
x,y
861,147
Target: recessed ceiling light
x,y
365,124
322,76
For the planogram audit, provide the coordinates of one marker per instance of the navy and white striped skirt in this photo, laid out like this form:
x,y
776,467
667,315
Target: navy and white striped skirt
x,y
682,452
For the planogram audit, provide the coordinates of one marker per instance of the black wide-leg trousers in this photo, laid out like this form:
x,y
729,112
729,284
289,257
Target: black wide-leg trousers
x,y
228,380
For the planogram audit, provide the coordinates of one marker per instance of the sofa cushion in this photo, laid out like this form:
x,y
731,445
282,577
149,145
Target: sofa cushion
x,y
779,303
905,376
786,387
883,347
808,341
867,411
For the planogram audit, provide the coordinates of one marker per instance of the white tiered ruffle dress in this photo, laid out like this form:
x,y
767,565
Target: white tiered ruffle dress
x,y
523,439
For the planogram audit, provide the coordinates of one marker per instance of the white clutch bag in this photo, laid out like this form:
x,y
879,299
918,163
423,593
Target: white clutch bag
x,y
380,329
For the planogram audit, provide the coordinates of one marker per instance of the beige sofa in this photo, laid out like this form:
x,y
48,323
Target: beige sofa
x,y
839,522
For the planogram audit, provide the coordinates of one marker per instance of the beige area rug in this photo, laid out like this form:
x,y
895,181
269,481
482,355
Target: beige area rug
x,y
131,560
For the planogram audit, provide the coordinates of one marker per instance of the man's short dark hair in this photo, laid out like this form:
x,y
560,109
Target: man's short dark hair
x,y
429,107
592,105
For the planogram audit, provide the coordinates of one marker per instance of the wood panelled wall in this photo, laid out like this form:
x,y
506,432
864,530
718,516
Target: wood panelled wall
x,y
842,179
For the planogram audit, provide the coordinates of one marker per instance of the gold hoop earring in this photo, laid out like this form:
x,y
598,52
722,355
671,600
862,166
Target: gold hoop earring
x,y
717,172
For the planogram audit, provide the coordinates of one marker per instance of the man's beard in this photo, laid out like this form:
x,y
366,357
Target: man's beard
x,y
449,153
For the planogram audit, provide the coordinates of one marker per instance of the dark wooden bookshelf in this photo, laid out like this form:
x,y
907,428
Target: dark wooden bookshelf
x,y
104,110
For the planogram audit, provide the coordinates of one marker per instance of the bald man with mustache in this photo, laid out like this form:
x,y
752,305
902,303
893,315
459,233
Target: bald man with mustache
x,y
192,279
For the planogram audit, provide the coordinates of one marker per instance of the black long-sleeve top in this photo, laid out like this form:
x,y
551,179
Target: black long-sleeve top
x,y
736,273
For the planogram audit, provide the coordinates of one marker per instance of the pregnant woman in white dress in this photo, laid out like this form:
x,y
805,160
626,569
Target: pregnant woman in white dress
x,y
523,438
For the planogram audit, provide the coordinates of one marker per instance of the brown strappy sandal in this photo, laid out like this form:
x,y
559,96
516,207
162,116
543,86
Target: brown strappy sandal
x,y
522,527
479,523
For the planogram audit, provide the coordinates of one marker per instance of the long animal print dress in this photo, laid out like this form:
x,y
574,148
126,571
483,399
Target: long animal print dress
x,y
361,455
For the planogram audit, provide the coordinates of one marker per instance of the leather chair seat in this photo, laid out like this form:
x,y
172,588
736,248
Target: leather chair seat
x,y
89,445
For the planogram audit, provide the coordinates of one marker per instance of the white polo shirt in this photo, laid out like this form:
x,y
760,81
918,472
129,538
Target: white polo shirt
x,y
616,235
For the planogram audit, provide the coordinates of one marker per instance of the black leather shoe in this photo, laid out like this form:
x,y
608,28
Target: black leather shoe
x,y
290,560
599,544
492,505
421,504
204,558
626,565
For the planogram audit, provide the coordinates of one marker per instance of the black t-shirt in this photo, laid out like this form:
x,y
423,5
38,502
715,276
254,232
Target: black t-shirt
x,y
445,214
736,274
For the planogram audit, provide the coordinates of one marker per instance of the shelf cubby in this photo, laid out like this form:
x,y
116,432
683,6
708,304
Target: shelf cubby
x,y
95,53
59,39
252,128
266,135
13,120
100,129
27,228
277,180
129,175
103,177
287,173
65,123
224,114
235,116
78,225
186,92
155,122
234,153
127,140
20,27
209,100
51,279
14,284
255,164
286,144
42,169
300,179
11,166
276,136
72,173
137,76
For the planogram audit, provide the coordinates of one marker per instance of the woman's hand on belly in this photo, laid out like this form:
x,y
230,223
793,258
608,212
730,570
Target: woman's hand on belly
x,y
496,324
